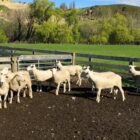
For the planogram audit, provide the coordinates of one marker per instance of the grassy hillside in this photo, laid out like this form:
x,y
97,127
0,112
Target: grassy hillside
x,y
109,10
106,11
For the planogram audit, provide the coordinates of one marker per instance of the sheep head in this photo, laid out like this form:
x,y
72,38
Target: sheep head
x,y
54,70
58,64
86,69
31,67
131,68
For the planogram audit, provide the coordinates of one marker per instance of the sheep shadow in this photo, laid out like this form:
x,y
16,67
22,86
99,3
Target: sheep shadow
x,y
86,93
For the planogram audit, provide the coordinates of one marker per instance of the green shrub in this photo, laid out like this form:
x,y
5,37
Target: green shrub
x,y
3,37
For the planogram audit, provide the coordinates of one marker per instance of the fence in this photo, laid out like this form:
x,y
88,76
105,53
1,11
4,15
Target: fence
x,y
100,62
87,59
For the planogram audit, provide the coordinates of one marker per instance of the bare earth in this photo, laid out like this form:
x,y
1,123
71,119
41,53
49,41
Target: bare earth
x,y
50,117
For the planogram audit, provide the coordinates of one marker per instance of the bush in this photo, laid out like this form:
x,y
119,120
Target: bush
x,y
3,37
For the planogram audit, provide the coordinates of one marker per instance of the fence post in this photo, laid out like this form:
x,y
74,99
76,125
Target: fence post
x,y
14,65
131,62
73,58
89,60
33,52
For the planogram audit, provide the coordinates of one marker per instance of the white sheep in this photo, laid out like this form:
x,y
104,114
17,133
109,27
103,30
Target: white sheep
x,y
103,82
40,75
72,69
4,89
18,81
133,70
136,75
61,77
107,74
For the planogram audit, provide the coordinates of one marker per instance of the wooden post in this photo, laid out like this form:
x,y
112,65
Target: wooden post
x,y
33,52
14,64
73,58
131,62
89,60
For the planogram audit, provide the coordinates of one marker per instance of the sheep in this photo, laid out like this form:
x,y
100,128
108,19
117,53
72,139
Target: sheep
x,y
4,89
107,74
72,69
133,70
18,81
61,77
136,75
40,75
103,82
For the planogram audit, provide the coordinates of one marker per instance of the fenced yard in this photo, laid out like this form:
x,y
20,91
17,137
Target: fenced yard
x,y
74,115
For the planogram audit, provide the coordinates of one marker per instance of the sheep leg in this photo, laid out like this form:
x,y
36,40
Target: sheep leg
x,y
69,86
37,90
98,95
115,93
30,91
0,102
122,92
111,90
40,86
64,87
57,89
11,97
24,93
79,79
5,97
18,98
93,88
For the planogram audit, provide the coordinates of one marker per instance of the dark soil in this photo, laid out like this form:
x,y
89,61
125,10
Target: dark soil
x,y
50,117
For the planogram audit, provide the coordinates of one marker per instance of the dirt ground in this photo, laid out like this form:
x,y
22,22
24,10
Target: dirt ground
x,y
72,116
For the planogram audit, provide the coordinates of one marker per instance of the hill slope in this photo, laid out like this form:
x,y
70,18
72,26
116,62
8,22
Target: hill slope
x,y
109,10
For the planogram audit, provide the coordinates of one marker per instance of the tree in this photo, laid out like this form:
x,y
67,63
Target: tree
x,y
40,11
121,35
63,6
54,31
136,35
3,37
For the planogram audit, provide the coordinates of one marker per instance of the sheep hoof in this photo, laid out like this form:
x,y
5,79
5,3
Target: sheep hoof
x,y
56,94
114,98
40,91
18,102
24,96
10,102
124,99
5,106
31,97
98,101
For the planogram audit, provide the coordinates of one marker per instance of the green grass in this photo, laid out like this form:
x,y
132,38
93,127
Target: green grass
x,y
110,50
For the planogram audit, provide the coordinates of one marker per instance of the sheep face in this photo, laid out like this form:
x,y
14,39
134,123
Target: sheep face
x,y
2,79
54,70
20,77
131,67
58,64
5,70
86,69
31,67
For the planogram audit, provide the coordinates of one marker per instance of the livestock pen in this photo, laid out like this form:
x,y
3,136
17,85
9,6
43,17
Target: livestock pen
x,y
117,64
73,115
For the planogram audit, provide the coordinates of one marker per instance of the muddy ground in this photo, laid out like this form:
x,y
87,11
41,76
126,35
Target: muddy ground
x,y
50,117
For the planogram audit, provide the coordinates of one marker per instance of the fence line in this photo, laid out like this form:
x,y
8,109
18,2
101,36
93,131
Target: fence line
x,y
13,52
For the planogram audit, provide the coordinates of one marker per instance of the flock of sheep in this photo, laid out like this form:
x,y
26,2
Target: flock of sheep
x,y
21,81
